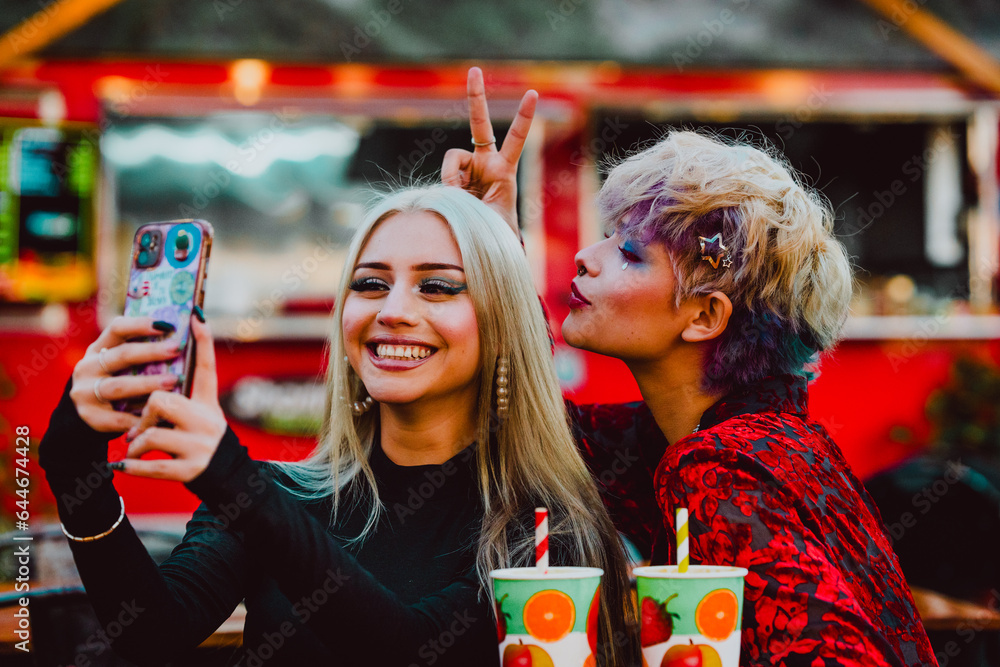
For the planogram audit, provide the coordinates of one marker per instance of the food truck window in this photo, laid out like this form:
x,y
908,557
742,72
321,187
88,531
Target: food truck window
x,y
47,178
283,191
900,192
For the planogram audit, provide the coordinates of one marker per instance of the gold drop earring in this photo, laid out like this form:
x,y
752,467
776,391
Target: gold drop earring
x,y
359,408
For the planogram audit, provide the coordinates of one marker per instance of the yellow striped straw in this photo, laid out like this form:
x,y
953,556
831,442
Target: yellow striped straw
x,y
683,560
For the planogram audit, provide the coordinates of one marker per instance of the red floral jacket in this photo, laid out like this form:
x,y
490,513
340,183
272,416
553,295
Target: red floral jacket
x,y
768,490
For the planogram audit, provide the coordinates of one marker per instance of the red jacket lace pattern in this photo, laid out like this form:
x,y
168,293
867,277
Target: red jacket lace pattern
x,y
768,490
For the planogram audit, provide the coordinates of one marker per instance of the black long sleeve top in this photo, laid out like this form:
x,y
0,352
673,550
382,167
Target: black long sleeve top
x,y
407,595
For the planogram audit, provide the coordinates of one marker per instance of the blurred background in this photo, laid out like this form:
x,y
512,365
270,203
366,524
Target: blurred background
x,y
276,121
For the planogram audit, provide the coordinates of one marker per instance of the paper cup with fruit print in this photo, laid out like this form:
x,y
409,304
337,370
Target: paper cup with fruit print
x,y
547,617
690,619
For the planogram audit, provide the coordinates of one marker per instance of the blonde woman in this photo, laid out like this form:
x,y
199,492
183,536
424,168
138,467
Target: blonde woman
x,y
440,389
719,281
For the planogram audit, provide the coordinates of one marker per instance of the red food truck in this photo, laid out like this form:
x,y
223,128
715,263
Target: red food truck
x,y
281,155
281,159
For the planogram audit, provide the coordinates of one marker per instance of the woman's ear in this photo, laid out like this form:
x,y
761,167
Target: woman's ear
x,y
711,313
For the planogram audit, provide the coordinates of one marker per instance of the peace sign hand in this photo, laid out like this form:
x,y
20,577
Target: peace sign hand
x,y
198,422
488,172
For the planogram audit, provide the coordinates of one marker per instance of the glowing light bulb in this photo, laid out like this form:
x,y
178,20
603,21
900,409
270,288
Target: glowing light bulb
x,y
249,77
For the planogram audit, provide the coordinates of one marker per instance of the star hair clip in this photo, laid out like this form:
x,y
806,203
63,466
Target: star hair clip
x,y
714,252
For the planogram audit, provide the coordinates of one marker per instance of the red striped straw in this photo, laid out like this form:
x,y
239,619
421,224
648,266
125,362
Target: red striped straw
x,y
541,537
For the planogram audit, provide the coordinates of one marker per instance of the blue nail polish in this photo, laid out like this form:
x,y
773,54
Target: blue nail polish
x,y
199,314
116,465
165,327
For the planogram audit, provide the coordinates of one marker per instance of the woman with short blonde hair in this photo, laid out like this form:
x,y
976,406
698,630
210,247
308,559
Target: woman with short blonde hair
x,y
769,242
719,281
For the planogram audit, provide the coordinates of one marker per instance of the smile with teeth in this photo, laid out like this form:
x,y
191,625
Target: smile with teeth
x,y
403,352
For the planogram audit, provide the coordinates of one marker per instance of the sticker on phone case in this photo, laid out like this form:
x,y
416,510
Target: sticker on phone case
x,y
183,242
139,290
181,288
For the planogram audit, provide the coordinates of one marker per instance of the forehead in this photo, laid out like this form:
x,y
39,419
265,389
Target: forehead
x,y
412,238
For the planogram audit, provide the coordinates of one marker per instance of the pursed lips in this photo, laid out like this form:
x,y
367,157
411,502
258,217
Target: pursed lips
x,y
576,292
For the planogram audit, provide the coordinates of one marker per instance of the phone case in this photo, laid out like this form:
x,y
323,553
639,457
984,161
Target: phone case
x,y
166,280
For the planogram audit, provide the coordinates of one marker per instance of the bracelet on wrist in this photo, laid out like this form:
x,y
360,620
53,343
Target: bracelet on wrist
x,y
93,538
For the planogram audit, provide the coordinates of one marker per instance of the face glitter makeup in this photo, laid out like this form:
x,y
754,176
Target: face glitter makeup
x,y
629,254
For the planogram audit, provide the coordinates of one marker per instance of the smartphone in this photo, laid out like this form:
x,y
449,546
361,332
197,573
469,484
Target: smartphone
x,y
166,281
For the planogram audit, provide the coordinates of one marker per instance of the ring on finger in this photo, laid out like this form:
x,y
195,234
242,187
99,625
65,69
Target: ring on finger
x,y
97,390
103,361
480,144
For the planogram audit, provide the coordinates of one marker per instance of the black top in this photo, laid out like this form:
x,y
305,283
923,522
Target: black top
x,y
407,595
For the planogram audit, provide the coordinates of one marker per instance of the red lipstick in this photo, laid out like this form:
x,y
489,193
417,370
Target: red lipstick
x,y
576,300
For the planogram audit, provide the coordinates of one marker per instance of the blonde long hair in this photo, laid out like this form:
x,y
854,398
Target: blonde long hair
x,y
526,459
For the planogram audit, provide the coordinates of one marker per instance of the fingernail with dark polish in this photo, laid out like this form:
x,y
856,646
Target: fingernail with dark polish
x,y
199,314
116,465
165,327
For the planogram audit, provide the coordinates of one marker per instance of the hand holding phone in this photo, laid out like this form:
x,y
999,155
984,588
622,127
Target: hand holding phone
x,y
167,273
197,424
93,389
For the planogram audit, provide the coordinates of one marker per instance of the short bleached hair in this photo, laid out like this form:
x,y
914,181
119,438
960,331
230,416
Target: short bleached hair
x,y
790,281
